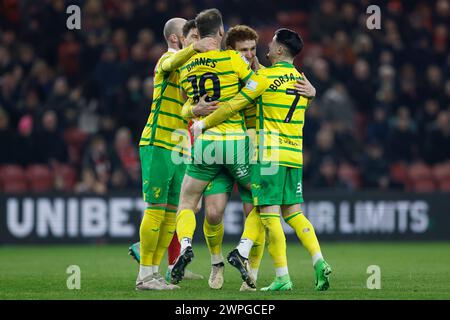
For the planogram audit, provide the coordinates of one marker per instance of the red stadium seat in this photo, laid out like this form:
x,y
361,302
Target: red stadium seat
x,y
441,171
424,185
399,173
13,179
444,185
75,136
65,177
420,171
40,178
1,181
75,139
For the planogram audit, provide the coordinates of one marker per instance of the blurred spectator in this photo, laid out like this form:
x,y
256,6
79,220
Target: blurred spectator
x,y
109,78
348,18
107,128
324,20
428,115
131,111
120,42
375,167
438,139
127,164
378,128
138,63
361,87
5,60
6,139
325,147
52,148
60,102
320,76
26,148
98,161
341,54
312,125
336,106
346,142
408,94
68,55
401,141
327,175
89,184
31,105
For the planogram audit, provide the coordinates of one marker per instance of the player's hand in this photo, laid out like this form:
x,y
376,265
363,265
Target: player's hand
x,y
305,88
197,128
204,108
206,44
255,64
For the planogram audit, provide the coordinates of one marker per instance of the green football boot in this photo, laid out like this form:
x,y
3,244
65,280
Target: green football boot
x,y
322,271
167,276
134,251
283,283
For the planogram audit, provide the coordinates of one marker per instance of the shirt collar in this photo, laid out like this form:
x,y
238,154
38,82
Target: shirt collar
x,y
283,63
172,50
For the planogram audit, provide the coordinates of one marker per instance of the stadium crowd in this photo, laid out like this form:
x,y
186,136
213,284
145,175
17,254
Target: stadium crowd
x,y
75,101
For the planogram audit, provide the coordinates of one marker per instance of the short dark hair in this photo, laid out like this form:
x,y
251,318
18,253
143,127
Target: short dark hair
x,y
188,26
208,22
290,39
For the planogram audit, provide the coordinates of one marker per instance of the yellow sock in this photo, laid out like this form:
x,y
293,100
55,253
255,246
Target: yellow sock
x,y
305,231
214,237
257,251
277,239
166,233
149,233
253,226
186,224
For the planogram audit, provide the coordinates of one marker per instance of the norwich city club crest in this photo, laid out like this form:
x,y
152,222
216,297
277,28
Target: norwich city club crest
x,y
156,192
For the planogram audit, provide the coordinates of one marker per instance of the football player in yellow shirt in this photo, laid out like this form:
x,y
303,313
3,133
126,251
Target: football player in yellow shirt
x,y
218,75
277,173
190,35
243,39
164,134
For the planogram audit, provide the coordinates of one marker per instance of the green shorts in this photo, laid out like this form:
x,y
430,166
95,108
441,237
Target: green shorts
x,y
211,157
161,176
276,185
224,183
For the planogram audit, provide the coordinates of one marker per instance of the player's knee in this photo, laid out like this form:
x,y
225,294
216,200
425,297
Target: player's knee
x,y
214,215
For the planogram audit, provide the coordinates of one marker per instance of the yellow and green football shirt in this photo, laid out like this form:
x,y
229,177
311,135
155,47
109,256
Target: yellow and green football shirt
x,y
280,117
250,112
280,114
165,127
220,75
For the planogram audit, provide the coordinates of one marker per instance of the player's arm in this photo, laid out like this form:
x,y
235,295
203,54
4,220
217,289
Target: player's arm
x,y
305,88
186,111
255,86
176,60
202,108
250,116
250,110
179,58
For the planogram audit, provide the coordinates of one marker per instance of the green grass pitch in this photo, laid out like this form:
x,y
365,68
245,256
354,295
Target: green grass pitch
x,y
408,271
